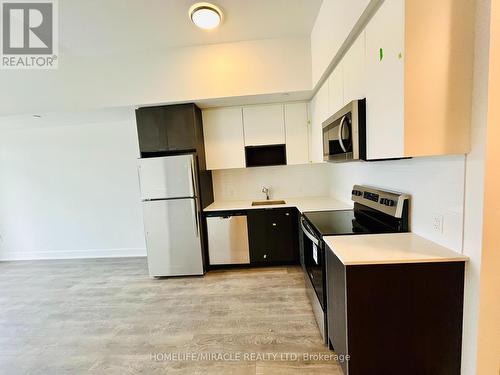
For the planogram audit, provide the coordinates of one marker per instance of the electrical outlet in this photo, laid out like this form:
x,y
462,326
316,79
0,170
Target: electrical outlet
x,y
437,223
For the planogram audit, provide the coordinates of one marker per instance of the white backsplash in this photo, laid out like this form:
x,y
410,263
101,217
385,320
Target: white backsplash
x,y
436,186
288,181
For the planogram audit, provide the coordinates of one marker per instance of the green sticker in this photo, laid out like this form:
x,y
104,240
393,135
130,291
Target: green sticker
x,y
381,53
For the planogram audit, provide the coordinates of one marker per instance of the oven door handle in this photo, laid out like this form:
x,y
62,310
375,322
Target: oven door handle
x,y
341,127
308,234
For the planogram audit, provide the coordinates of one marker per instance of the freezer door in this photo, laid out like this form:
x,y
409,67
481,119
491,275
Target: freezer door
x,y
167,177
173,237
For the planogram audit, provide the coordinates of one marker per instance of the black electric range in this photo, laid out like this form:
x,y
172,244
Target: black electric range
x,y
328,223
375,211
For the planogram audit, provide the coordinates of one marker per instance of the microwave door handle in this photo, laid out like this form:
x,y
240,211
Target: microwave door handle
x,y
341,127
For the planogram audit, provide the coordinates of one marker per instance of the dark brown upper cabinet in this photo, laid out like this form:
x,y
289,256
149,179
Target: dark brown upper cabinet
x,y
169,129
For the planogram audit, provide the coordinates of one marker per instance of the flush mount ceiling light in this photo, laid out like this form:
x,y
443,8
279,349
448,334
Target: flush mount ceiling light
x,y
205,15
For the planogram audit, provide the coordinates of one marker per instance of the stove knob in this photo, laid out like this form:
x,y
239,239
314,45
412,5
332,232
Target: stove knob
x,y
356,193
389,202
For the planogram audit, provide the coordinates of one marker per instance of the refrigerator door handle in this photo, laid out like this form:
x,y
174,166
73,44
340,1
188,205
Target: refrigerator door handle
x,y
193,177
140,185
195,217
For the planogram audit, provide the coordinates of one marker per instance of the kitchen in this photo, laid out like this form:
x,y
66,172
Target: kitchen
x,y
265,189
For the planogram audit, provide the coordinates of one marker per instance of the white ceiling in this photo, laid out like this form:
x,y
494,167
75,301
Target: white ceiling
x,y
96,27
116,114
53,119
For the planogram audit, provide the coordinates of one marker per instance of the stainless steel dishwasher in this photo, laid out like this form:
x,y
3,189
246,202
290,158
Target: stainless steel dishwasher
x,y
228,238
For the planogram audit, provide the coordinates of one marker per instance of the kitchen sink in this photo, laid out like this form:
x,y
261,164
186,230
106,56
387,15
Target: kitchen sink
x,y
267,203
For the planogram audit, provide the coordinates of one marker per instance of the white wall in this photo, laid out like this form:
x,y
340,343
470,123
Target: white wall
x,y
488,341
436,186
452,186
69,187
474,188
161,76
289,181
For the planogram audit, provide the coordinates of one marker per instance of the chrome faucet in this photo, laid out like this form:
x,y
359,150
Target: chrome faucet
x,y
266,190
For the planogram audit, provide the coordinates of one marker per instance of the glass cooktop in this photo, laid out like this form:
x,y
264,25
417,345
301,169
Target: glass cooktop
x,y
340,222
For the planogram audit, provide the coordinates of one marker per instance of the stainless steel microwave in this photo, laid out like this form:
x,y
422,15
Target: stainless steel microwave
x,y
344,133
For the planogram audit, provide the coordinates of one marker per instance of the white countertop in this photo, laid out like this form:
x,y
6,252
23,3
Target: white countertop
x,y
303,204
389,248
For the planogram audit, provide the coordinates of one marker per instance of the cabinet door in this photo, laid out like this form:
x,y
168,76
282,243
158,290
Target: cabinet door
x,y
384,88
319,113
336,90
273,235
297,133
336,305
166,128
180,124
257,235
282,235
224,140
151,130
354,70
264,125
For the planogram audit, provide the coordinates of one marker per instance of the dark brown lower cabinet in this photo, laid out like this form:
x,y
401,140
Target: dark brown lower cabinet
x,y
394,319
273,236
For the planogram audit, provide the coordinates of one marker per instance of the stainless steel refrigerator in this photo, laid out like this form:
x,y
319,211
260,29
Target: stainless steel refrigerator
x,y
171,209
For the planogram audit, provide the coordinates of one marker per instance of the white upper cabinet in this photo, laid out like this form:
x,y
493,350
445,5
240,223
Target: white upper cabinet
x,y
224,140
297,133
226,129
264,125
419,74
319,113
353,67
385,82
336,89
334,22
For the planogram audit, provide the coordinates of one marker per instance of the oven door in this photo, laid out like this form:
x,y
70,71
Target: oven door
x,y
314,260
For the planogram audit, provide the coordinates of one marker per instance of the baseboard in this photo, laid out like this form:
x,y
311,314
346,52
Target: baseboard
x,y
72,254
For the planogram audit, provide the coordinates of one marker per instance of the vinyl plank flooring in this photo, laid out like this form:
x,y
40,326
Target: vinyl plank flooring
x,y
107,316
